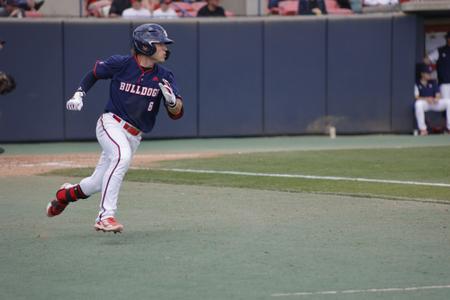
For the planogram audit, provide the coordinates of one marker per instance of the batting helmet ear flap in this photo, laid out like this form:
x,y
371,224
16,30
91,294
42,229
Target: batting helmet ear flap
x,y
146,36
144,47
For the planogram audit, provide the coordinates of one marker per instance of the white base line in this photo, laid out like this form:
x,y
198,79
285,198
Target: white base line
x,y
407,289
309,177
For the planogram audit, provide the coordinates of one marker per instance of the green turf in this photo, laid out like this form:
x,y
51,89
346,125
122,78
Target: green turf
x,y
201,238
191,242
423,164
234,145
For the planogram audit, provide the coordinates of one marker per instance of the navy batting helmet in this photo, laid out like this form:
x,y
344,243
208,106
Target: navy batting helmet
x,y
145,37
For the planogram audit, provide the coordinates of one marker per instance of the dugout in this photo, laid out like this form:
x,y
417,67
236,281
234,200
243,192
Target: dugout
x,y
239,76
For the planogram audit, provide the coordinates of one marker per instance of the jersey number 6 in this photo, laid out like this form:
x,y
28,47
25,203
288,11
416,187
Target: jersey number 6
x,y
150,106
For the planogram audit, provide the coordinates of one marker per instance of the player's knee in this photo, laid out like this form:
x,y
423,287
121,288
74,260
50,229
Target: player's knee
x,y
97,187
447,102
419,105
125,159
92,184
122,160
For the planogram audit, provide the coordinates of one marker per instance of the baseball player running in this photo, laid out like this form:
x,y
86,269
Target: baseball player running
x,y
138,84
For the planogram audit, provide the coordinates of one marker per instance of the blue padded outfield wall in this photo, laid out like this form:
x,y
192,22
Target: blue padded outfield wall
x,y
239,77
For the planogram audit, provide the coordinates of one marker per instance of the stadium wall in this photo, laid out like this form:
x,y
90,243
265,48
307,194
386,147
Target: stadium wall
x,y
239,77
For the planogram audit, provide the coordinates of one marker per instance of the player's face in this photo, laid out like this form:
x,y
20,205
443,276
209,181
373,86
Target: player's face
x,y
426,76
160,54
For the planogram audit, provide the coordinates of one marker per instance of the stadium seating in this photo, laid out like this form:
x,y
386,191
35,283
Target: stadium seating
x,y
99,8
229,13
197,5
334,9
183,9
288,8
33,14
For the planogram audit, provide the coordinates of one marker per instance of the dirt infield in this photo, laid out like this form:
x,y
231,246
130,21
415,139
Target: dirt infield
x,y
26,165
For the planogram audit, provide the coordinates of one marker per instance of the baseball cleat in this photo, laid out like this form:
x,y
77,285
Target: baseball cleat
x,y
57,206
423,132
108,225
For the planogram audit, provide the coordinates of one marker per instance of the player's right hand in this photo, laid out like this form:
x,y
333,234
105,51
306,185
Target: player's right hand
x,y
76,102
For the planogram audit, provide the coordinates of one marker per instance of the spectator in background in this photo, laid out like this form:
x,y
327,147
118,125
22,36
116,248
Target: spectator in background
x,y
118,6
136,11
211,9
3,11
272,3
28,4
152,5
355,5
272,7
344,4
312,7
428,98
97,8
165,11
441,57
17,8
380,2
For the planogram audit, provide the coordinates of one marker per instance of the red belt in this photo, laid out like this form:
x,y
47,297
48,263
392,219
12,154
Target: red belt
x,y
131,129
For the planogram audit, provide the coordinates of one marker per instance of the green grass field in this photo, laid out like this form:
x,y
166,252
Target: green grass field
x,y
421,165
224,236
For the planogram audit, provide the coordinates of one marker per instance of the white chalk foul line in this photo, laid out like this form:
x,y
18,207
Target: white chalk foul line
x,y
308,177
407,289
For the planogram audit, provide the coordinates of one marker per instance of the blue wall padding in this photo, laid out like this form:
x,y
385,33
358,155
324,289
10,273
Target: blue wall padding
x,y
238,77
33,56
403,72
294,76
359,74
230,78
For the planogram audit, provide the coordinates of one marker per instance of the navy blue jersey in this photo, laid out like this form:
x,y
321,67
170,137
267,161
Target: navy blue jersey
x,y
135,95
443,65
428,90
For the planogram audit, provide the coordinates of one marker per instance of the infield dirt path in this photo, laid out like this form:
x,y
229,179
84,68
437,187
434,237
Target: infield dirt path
x,y
25,165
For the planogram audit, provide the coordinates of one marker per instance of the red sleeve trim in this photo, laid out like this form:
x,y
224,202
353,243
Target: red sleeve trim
x,y
95,70
178,115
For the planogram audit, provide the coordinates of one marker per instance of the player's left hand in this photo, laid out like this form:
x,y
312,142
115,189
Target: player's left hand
x,y
169,96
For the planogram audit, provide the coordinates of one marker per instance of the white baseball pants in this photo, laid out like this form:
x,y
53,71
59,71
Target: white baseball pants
x,y
422,106
118,148
445,90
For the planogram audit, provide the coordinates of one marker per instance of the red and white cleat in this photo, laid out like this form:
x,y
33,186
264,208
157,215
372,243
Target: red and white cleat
x,y
108,225
57,206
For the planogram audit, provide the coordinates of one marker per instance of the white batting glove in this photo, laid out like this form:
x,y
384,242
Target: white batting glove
x,y
168,94
76,102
